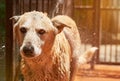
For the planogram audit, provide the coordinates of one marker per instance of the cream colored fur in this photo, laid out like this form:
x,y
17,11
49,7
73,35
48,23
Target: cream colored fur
x,y
56,44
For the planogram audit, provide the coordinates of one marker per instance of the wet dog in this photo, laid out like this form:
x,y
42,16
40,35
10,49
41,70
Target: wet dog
x,y
50,48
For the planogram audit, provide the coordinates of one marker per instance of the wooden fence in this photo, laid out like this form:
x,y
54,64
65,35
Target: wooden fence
x,y
18,7
98,23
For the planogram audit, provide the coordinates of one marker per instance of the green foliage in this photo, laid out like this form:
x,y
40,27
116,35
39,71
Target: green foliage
x,y
2,9
2,19
2,40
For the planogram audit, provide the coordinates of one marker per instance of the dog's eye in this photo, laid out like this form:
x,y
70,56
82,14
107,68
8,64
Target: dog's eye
x,y
23,30
41,32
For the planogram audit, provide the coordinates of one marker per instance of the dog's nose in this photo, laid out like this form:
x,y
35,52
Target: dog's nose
x,y
28,50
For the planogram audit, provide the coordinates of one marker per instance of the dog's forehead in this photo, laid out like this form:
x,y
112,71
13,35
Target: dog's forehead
x,y
35,19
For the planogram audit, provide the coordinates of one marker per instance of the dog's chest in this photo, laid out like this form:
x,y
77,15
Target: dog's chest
x,y
58,70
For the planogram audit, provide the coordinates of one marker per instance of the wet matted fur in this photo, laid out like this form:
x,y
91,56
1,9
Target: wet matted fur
x,y
50,48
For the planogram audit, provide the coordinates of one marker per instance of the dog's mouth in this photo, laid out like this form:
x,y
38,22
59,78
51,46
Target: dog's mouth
x,y
29,55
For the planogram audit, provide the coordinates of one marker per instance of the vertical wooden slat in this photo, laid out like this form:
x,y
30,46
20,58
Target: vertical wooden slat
x,y
30,7
111,31
105,53
48,6
117,22
42,5
45,5
37,5
19,6
118,16
16,7
23,7
110,25
9,41
97,27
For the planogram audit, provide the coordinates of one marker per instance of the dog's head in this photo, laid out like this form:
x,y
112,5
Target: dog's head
x,y
35,33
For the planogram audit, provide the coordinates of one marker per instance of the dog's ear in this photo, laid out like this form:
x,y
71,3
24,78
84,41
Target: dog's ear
x,y
15,18
62,21
15,28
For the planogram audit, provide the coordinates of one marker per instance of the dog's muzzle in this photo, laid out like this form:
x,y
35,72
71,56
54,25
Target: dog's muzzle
x,y
28,50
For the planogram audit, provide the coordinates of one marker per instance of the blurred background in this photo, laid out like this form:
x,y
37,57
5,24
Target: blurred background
x,y
97,21
2,40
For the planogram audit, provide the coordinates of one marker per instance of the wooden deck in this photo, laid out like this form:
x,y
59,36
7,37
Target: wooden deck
x,y
100,73
78,78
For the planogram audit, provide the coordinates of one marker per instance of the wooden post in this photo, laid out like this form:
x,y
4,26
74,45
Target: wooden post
x,y
97,27
96,34
9,41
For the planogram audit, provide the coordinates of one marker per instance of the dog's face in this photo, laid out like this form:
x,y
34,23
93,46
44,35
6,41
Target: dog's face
x,y
35,33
